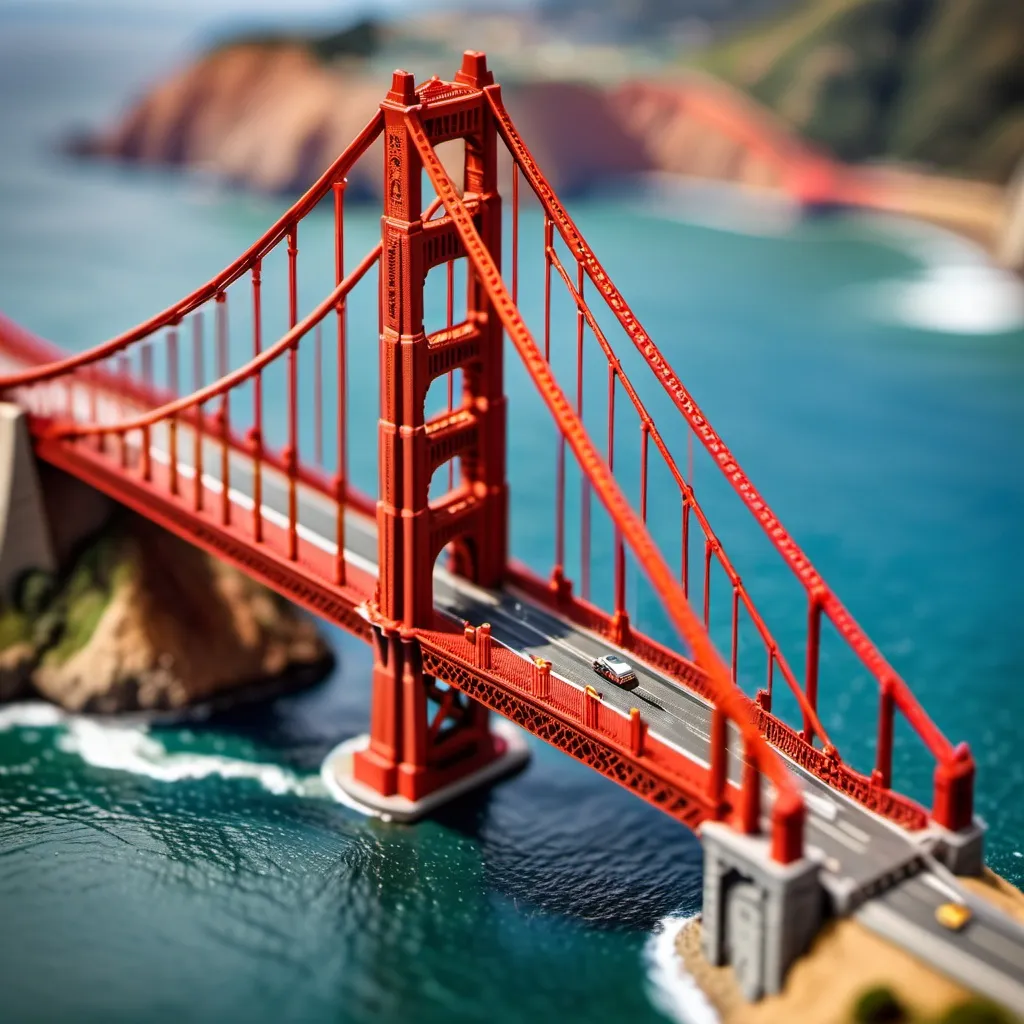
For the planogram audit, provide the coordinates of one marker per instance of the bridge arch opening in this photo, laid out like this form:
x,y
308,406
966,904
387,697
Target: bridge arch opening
x,y
446,477
461,557
458,556
443,394
452,154
445,294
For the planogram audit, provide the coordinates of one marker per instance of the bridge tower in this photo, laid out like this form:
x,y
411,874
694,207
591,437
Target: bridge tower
x,y
411,754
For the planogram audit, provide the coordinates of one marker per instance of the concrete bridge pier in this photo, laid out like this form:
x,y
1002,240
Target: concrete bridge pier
x,y
759,916
45,514
26,541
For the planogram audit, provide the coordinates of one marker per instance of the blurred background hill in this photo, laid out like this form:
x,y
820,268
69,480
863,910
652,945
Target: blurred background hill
x,y
936,82
931,91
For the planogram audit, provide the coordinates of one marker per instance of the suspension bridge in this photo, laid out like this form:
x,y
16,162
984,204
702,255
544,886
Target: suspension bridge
x,y
175,419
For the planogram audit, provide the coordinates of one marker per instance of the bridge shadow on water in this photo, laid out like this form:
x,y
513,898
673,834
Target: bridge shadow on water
x,y
560,840
557,839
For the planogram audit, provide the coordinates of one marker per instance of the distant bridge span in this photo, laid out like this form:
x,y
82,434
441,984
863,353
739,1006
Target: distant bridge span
x,y
697,126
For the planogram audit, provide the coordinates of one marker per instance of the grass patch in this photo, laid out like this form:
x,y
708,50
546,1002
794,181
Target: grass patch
x,y
15,628
83,615
58,617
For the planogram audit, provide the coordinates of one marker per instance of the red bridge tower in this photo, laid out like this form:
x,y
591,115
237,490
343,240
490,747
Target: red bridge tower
x,y
412,753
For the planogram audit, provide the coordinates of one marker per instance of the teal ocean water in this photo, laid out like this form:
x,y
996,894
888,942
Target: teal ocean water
x,y
869,375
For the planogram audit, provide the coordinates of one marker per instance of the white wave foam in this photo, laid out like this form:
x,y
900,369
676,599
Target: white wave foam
x,y
957,289
964,298
120,746
669,986
719,206
931,245
127,749
34,714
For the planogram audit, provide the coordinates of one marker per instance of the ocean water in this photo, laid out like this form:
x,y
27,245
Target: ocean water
x,y
868,373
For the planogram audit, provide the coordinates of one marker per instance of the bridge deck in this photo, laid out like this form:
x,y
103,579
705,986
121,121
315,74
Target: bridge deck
x,y
866,859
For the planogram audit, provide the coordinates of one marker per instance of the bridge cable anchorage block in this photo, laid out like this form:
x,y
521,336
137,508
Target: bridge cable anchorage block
x,y
759,913
403,88
474,70
961,852
959,835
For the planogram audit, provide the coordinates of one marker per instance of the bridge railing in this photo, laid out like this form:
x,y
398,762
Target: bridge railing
x,y
954,773
728,703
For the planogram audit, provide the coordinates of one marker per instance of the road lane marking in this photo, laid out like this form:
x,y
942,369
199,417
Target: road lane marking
x,y
848,841
821,805
857,833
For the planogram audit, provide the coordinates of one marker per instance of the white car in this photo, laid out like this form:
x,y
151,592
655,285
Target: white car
x,y
615,670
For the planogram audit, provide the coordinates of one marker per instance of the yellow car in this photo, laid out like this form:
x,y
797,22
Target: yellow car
x,y
952,916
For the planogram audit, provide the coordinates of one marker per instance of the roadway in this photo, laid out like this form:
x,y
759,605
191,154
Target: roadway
x,y
859,852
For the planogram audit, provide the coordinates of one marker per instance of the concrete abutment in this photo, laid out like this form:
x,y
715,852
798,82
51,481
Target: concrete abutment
x,y
26,541
759,916
45,514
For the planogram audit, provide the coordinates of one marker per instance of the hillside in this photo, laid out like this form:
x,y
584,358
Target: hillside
x,y
933,82
270,110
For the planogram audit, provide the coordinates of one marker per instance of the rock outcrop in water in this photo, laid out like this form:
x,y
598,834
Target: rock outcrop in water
x,y
144,621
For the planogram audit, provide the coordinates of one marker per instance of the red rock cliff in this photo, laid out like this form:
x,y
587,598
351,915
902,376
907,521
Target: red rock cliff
x,y
274,117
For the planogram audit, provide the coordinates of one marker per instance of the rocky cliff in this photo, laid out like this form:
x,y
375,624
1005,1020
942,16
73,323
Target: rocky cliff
x,y
142,620
273,116
272,113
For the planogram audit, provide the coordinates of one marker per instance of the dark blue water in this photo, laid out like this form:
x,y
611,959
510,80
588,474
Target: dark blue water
x,y
869,376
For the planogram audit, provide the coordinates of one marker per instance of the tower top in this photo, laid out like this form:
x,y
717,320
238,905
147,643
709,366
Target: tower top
x,y
474,70
403,88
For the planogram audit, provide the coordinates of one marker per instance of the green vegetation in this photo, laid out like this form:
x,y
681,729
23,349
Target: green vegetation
x,y
977,1011
33,591
83,615
879,1006
80,602
939,82
15,627
58,617
361,39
